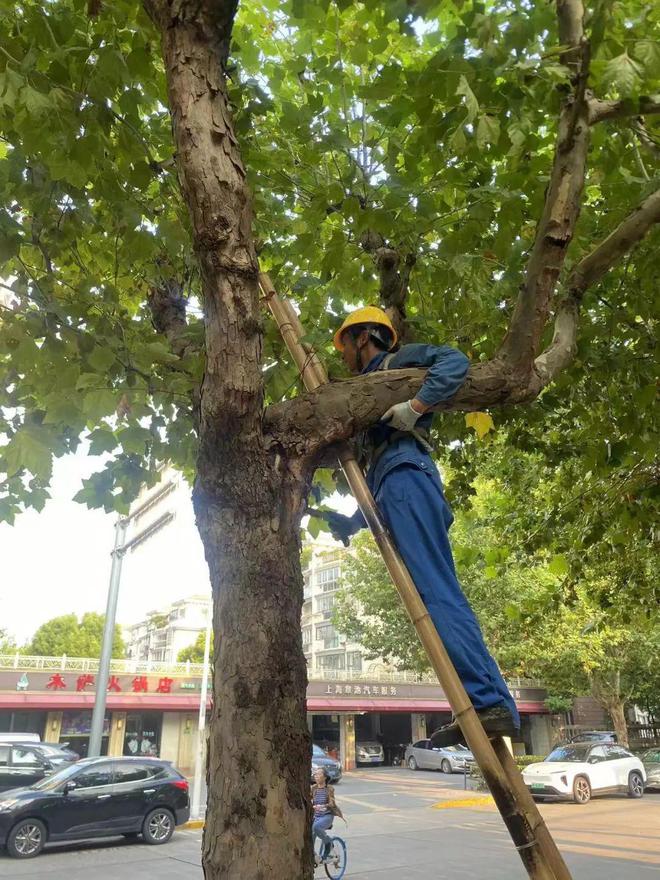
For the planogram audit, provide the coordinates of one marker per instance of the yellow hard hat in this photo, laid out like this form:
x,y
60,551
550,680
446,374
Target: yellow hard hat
x,y
367,315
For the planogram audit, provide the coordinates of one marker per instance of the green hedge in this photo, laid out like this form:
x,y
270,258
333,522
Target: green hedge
x,y
522,761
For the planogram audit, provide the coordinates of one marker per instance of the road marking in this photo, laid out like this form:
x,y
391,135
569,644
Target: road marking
x,y
483,801
372,807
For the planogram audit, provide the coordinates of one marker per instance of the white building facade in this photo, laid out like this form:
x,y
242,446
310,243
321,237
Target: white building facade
x,y
164,633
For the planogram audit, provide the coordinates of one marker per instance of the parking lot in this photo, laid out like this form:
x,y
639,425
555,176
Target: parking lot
x,y
406,825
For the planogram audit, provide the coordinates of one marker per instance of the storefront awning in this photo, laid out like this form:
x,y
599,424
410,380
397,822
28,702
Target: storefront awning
x,y
332,706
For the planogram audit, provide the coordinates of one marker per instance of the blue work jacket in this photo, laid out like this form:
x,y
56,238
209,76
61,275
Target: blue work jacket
x,y
447,369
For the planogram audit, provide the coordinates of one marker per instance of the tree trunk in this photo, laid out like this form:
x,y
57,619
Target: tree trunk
x,y
257,823
616,708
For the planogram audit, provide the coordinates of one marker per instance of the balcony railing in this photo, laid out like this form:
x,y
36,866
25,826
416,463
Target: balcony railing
x,y
132,667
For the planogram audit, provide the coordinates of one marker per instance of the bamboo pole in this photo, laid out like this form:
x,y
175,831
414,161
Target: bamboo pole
x,y
530,835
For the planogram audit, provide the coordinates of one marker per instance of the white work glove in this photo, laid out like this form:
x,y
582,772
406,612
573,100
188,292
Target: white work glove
x,y
401,416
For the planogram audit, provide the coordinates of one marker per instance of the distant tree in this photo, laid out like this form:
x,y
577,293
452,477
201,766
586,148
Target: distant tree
x,y
67,635
7,643
195,652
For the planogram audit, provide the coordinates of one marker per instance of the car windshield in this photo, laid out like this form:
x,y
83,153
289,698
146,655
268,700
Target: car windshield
x,y
48,783
651,756
569,753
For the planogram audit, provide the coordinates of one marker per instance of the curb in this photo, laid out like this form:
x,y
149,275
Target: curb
x,y
192,823
483,801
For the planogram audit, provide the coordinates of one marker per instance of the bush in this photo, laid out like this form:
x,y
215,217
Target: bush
x,y
479,783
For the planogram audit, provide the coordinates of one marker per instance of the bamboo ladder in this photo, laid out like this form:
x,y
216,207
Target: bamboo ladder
x,y
528,831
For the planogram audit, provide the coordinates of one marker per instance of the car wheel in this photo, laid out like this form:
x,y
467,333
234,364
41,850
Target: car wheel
x,y
445,766
581,790
635,785
412,763
158,826
27,839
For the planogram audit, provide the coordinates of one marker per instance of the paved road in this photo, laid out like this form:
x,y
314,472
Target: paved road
x,y
405,825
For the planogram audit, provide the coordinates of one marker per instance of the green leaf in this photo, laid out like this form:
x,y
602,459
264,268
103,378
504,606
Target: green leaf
x,y
648,52
161,353
623,73
98,404
101,358
29,448
488,131
558,565
471,102
101,440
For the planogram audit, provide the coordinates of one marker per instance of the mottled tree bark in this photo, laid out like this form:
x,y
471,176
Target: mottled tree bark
x,y
248,499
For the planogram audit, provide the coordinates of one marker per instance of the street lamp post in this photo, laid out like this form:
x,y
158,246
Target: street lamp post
x,y
98,715
122,546
201,724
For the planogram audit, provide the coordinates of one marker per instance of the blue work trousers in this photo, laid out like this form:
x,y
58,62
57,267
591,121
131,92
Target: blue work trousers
x,y
414,508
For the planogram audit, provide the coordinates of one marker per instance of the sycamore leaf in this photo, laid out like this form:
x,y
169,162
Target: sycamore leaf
x,y
29,448
471,102
558,565
481,422
488,131
623,73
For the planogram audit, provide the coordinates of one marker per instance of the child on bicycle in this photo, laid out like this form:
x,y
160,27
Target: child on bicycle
x,y
325,810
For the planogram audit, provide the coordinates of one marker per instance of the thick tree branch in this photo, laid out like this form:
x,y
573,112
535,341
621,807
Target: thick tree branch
x,y
588,272
602,110
337,411
563,198
394,274
168,314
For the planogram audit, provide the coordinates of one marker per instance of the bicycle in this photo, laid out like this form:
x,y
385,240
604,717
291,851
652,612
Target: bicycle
x,y
335,863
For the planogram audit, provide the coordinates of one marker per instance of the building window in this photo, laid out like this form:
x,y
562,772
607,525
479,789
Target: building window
x,y
330,661
307,635
325,603
328,579
354,661
328,635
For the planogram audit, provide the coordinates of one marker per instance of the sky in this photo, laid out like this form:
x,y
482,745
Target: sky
x,y
58,561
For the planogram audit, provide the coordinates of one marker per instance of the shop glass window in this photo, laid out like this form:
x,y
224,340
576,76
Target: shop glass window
x,y
4,756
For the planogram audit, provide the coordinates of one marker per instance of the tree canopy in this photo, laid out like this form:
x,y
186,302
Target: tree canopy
x,y
76,638
486,170
194,653
392,151
558,564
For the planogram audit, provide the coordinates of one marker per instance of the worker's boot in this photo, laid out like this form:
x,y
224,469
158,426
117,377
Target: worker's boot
x,y
496,721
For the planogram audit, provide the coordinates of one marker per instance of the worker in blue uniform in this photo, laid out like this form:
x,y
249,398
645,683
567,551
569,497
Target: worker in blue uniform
x,y
408,491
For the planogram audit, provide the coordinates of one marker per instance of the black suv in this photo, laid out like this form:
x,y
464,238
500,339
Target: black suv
x,y
95,797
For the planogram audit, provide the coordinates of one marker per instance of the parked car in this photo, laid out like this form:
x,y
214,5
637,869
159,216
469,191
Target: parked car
x,y
369,753
64,749
422,756
651,761
608,736
95,797
52,753
19,737
331,766
23,763
579,770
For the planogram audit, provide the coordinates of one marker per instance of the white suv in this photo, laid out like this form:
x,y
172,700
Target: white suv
x,y
579,770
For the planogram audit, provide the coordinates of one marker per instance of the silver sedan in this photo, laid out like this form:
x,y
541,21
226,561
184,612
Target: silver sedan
x,y
422,756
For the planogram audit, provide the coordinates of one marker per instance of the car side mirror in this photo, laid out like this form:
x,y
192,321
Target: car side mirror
x,y
593,760
69,787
